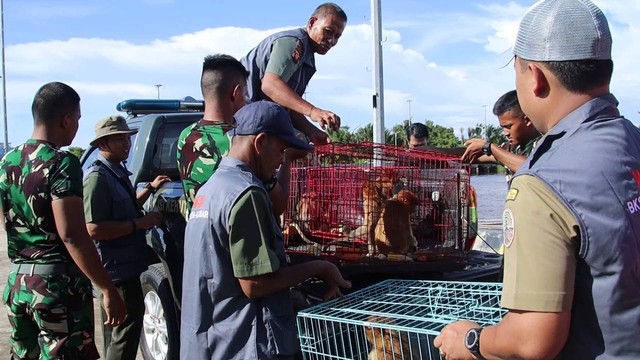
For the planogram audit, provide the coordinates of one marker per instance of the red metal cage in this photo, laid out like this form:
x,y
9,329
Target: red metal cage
x,y
373,202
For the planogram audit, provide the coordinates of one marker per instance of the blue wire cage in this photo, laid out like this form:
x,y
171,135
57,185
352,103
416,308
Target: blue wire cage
x,y
394,319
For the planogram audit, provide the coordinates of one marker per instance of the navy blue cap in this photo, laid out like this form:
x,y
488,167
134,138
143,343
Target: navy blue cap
x,y
270,118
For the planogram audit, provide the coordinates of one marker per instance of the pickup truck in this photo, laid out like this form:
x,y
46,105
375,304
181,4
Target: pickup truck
x,y
153,152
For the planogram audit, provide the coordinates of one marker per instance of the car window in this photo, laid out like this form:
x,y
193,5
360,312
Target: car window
x,y
167,145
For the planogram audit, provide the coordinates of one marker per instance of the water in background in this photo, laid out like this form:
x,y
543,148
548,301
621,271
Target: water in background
x,y
492,191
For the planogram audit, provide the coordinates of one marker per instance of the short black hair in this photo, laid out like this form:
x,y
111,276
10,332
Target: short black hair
x,y
579,76
219,73
419,131
53,101
508,102
330,8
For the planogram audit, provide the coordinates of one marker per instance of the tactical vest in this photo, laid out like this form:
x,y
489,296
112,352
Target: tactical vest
x,y
124,257
256,63
591,161
236,327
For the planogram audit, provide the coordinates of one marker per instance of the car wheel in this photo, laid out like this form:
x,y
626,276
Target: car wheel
x,y
160,333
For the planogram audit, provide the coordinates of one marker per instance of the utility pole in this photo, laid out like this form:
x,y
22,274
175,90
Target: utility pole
x,y
158,86
409,102
378,96
486,129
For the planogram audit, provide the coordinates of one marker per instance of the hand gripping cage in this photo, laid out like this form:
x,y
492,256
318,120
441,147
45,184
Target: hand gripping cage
x,y
371,202
394,319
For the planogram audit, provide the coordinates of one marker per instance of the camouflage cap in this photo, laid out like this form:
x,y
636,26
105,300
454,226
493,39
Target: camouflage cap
x,y
111,125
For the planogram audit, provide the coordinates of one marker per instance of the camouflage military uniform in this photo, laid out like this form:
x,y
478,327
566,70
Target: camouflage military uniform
x,y
200,148
51,312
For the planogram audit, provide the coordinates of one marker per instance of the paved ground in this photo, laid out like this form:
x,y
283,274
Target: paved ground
x,y
5,328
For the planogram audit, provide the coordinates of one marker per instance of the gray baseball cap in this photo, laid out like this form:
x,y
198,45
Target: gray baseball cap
x,y
270,118
563,30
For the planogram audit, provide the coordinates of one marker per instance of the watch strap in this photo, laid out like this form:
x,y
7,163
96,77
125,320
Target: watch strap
x,y
486,148
472,342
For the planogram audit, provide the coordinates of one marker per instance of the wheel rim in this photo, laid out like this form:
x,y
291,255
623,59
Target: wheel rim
x,y
155,326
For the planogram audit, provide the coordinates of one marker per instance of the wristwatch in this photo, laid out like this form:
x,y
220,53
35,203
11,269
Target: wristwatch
x,y
472,342
486,148
150,187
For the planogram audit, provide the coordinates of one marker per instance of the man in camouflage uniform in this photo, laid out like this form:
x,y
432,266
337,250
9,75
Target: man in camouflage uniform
x,y
202,145
517,127
48,297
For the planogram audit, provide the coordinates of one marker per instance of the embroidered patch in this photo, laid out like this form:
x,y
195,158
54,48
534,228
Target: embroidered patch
x,y
511,195
297,53
508,228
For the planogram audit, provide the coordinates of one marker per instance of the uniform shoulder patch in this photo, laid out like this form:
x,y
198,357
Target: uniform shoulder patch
x,y
297,53
511,195
508,228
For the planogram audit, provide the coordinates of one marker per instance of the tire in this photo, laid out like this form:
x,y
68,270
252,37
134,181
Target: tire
x,y
160,337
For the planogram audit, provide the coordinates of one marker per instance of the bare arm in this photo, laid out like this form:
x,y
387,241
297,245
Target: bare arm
x,y
108,230
526,335
68,213
520,335
285,277
275,88
507,158
144,194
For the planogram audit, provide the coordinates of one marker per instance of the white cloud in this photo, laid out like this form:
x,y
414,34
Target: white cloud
x,y
448,72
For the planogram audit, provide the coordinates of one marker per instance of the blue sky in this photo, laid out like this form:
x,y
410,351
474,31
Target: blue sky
x,y
447,57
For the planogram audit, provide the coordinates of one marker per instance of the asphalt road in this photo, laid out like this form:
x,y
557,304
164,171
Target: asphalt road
x,y
5,328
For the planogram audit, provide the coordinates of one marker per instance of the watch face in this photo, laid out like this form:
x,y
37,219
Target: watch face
x,y
471,339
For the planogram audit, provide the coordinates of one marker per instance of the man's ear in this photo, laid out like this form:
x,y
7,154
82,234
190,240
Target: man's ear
x,y
259,142
312,20
238,92
540,81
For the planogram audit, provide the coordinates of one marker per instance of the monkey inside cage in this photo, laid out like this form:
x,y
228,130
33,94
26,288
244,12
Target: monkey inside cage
x,y
373,202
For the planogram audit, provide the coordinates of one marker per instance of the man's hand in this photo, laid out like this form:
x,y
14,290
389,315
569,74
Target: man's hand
x,y
149,220
451,340
331,275
325,118
474,150
317,136
114,307
159,180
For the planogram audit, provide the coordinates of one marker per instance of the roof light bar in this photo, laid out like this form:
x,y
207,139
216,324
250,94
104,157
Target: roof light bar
x,y
148,106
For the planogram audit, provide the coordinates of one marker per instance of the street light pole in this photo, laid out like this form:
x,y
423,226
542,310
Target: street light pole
x,y
158,86
4,84
486,129
409,102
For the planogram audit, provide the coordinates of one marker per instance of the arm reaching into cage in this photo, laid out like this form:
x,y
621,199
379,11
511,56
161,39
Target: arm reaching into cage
x,y
256,287
258,264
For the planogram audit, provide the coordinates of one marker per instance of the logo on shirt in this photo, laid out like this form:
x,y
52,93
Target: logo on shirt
x,y
297,53
634,204
508,228
198,202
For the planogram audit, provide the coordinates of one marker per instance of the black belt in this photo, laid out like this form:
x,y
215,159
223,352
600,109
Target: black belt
x,y
45,269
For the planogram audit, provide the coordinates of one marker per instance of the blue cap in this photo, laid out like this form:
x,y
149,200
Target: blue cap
x,y
270,118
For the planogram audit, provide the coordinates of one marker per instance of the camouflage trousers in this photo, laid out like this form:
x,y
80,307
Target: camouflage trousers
x,y
51,316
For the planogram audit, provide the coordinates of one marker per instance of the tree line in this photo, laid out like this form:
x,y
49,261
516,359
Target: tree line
x,y
439,136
